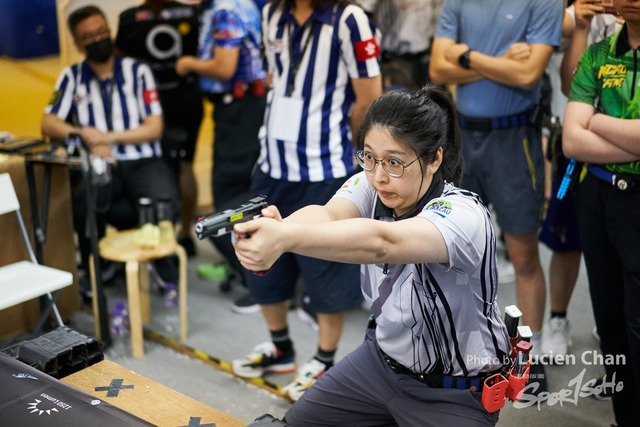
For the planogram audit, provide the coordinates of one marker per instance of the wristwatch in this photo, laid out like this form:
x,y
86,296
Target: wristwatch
x,y
463,59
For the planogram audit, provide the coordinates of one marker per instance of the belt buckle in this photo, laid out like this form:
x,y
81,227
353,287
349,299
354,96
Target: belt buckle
x,y
622,184
625,182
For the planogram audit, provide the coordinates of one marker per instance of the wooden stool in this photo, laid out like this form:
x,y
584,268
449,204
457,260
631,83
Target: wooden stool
x,y
119,246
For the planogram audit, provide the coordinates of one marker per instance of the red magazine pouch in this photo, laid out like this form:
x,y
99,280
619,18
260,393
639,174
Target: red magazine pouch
x,y
494,392
517,384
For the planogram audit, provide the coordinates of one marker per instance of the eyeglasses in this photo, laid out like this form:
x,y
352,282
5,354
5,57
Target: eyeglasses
x,y
95,35
392,166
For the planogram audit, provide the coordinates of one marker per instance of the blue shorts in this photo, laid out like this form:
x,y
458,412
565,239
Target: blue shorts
x,y
560,228
332,287
506,169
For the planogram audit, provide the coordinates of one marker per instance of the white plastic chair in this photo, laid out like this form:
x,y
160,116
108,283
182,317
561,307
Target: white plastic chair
x,y
25,280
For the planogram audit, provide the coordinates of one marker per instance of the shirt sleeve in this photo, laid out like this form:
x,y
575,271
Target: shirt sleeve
x,y
358,191
584,87
449,20
148,96
545,25
360,47
463,227
62,99
228,29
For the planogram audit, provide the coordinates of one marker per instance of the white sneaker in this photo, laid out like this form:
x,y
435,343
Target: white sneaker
x,y
308,374
555,337
264,358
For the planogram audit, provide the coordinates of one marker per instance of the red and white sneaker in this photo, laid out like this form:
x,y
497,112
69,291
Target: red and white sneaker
x,y
308,374
264,358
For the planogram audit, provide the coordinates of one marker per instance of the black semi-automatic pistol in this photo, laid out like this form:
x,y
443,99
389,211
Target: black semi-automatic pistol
x,y
222,223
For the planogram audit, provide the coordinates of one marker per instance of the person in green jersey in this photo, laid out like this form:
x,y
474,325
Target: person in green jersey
x,y
602,129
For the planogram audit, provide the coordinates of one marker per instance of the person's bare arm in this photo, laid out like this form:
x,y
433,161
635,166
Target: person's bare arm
x,y
444,71
444,68
149,130
523,74
567,25
585,145
623,133
354,240
367,90
223,65
54,127
584,11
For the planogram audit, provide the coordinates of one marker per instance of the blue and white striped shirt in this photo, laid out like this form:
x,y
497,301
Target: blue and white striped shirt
x,y
342,47
82,99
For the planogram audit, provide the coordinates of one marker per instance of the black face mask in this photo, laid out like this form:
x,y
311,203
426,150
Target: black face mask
x,y
100,51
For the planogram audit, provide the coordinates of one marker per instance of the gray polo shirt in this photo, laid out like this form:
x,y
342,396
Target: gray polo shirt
x,y
438,318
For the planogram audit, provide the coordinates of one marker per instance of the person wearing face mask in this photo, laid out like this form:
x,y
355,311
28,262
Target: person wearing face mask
x,y
113,103
428,256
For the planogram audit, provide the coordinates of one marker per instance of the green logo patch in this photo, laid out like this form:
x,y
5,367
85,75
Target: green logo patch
x,y
55,97
441,207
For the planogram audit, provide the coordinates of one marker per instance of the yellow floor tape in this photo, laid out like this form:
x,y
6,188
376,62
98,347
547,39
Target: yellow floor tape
x,y
211,360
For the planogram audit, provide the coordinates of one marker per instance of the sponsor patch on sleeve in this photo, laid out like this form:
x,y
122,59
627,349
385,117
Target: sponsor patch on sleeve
x,y
55,97
151,96
367,49
440,207
351,182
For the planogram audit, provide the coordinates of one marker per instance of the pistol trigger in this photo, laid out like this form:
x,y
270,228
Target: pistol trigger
x,y
233,237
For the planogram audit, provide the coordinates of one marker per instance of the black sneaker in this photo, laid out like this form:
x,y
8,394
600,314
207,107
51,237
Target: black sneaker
x,y
602,391
306,314
84,287
245,305
108,270
163,271
264,358
267,420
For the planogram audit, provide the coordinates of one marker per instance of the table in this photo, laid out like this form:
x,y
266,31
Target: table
x,y
32,398
146,399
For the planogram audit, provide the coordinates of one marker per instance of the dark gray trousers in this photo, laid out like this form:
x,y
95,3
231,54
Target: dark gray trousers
x,y
362,390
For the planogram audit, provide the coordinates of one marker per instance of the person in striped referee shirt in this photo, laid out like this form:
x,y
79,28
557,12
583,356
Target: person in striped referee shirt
x,y
113,103
322,60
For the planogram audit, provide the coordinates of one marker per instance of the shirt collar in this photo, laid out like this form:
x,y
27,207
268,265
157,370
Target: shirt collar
x,y
86,73
435,190
622,43
323,15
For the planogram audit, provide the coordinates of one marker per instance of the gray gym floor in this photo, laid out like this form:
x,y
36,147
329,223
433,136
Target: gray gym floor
x,y
217,331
